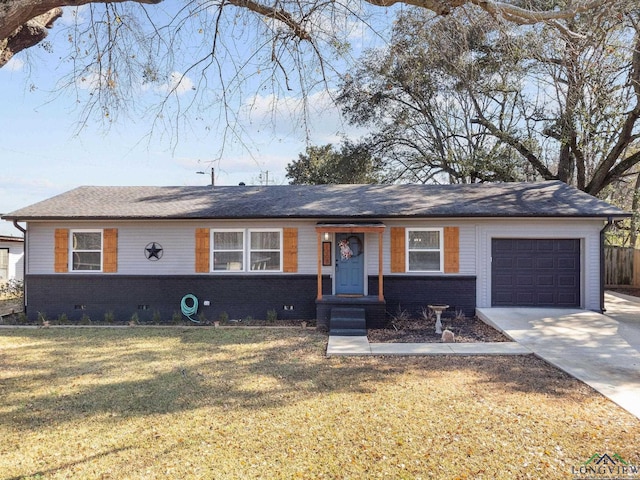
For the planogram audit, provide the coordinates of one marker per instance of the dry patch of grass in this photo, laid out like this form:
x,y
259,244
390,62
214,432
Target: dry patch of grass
x,y
226,404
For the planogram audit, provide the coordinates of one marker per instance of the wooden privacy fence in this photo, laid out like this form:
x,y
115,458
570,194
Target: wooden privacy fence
x,y
621,266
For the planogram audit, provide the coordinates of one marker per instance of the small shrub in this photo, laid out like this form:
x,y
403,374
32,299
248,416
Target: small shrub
x,y
85,320
176,318
63,319
427,314
11,289
21,318
323,328
272,316
109,317
202,317
248,319
134,319
42,317
400,318
459,316
223,317
156,317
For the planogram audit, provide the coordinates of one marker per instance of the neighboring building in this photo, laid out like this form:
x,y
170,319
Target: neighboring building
x,y
303,250
11,256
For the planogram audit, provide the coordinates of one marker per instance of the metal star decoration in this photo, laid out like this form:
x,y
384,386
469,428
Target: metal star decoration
x,y
153,251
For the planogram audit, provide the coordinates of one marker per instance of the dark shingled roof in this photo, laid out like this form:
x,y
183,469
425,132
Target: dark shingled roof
x,y
543,199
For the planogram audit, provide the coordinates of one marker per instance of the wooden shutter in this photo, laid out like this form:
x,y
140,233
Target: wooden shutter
x,y
61,250
203,250
398,250
451,249
290,250
110,250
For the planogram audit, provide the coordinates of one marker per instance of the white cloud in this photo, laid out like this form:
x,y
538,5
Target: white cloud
x,y
272,131
74,15
320,119
286,114
178,83
14,65
92,81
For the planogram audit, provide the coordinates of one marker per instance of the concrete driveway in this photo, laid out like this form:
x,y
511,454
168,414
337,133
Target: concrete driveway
x,y
603,351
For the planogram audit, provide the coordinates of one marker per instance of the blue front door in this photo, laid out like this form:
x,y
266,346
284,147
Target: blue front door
x,y
349,271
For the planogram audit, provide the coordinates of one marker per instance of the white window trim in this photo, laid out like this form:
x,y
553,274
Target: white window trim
x,y
246,250
279,250
440,249
72,250
242,250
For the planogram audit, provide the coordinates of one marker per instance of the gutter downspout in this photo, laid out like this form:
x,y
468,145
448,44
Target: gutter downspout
x,y
602,232
24,265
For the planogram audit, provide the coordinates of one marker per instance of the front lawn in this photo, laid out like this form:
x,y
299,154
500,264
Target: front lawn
x,y
183,403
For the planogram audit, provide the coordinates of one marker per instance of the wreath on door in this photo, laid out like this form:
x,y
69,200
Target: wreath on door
x,y
348,245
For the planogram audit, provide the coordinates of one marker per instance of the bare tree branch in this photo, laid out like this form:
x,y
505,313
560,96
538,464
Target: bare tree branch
x,y
14,14
27,35
606,173
275,13
540,167
524,16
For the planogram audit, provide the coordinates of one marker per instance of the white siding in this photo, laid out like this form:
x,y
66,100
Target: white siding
x,y
40,253
467,242
16,262
176,237
16,253
308,248
178,241
588,231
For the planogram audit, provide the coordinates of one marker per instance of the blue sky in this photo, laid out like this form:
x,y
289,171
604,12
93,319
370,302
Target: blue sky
x,y
43,153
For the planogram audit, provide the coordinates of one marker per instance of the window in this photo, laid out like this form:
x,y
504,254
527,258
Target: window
x,y
228,250
86,250
424,250
264,250
247,250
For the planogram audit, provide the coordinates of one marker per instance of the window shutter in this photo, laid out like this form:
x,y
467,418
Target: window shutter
x,y
290,250
61,250
398,250
110,250
451,249
203,250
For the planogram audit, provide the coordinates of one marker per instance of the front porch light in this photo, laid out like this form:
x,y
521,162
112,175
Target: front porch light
x,y
326,236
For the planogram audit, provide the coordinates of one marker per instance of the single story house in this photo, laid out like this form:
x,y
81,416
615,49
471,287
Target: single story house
x,y
305,250
11,253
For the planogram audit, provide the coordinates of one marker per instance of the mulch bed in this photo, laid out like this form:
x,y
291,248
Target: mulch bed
x,y
401,330
467,330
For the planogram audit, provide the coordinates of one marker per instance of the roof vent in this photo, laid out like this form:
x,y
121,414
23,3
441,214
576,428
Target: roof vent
x,y
242,184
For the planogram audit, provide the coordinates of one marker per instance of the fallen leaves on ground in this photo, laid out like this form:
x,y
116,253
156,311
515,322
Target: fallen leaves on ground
x,y
234,404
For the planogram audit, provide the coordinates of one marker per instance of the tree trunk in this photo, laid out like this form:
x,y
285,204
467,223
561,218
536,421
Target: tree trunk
x,y
635,210
608,171
566,160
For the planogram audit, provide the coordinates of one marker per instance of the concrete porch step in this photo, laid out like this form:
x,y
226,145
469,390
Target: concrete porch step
x,y
348,322
349,332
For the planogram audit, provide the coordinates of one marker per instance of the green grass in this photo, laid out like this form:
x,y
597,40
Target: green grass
x,y
183,403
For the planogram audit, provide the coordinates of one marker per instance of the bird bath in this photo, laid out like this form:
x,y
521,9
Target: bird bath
x,y
438,309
